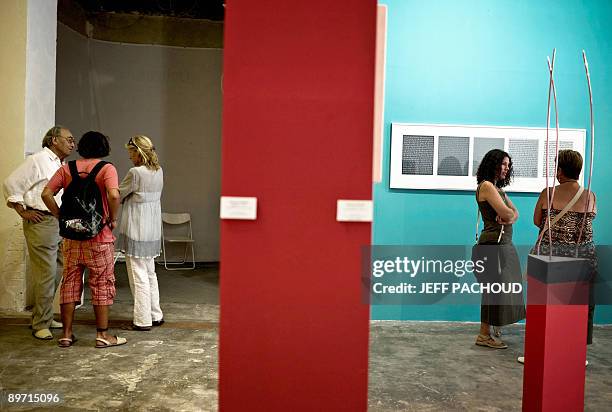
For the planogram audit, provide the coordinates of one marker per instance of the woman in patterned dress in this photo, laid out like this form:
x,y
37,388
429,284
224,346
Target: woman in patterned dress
x,y
567,236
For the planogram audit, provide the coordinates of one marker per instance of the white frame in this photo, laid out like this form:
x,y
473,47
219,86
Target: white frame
x,y
519,184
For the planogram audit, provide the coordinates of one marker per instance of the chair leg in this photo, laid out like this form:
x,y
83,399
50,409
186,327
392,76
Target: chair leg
x,y
192,257
185,254
168,265
164,253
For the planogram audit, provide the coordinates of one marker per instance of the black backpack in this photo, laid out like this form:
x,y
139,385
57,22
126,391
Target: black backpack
x,y
82,211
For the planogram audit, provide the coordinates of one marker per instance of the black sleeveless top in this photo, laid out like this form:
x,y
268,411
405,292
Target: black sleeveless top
x,y
490,232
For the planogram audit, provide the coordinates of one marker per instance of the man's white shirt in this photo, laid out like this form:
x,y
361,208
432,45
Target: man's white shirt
x,y
26,183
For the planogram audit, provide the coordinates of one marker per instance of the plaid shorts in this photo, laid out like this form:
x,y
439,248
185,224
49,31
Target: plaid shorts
x,y
99,259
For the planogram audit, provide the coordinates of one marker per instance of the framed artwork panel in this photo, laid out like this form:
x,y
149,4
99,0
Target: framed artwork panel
x,y
446,157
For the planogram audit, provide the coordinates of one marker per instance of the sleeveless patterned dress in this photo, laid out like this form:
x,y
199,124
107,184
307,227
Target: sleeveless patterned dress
x,y
564,237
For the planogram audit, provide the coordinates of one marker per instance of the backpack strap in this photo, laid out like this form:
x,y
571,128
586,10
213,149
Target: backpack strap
x,y
561,213
94,172
73,170
477,208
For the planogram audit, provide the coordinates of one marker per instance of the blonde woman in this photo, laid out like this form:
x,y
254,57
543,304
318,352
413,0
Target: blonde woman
x,y
140,230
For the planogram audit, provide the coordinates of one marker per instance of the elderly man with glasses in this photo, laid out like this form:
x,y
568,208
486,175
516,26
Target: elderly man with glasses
x,y
22,191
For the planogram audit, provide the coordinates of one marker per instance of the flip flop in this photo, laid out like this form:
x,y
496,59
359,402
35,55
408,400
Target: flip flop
x,y
104,343
66,342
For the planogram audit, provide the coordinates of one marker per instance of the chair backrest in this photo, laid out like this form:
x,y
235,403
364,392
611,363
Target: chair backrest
x,y
176,218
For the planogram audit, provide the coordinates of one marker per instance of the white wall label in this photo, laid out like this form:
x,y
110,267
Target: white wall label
x,y
243,208
354,210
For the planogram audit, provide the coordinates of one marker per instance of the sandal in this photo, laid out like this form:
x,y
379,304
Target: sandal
x,y
488,341
104,343
66,342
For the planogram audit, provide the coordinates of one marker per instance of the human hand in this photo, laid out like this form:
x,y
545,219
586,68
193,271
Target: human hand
x,y
112,224
33,216
502,221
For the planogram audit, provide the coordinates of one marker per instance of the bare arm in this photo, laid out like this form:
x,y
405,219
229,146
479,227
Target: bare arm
x,y
49,200
537,211
489,193
514,209
114,200
592,203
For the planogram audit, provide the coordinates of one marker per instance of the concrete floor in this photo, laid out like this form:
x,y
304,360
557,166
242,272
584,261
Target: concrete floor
x,y
414,366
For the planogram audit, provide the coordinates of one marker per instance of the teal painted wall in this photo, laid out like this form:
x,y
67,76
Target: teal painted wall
x,y
484,63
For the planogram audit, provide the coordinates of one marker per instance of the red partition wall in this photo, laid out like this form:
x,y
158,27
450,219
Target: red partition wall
x,y
297,134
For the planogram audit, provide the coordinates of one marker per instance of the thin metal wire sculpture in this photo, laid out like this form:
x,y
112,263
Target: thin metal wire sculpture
x,y
550,194
592,151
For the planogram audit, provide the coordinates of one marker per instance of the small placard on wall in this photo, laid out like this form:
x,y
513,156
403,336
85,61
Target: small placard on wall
x,y
242,208
354,210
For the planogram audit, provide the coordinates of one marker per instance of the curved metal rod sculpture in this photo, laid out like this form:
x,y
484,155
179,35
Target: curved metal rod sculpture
x,y
592,151
550,194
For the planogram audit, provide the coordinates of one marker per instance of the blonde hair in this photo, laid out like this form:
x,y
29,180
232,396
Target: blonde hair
x,y
144,146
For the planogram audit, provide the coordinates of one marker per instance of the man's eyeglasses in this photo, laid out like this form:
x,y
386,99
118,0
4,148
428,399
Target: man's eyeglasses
x,y
69,139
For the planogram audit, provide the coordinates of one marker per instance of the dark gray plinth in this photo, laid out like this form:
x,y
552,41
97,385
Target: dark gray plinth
x,y
557,269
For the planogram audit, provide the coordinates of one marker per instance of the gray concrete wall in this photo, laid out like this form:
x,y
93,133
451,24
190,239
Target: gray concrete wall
x,y
171,94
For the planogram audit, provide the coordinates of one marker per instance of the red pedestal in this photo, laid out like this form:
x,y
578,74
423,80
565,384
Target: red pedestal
x,y
555,340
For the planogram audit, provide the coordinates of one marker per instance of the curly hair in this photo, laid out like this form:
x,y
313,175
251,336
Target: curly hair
x,y
490,166
93,145
145,148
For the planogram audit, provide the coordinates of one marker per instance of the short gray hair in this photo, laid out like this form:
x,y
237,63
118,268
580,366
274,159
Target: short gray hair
x,y
55,131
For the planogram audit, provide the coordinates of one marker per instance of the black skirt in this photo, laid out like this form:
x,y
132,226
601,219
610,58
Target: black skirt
x,y
507,308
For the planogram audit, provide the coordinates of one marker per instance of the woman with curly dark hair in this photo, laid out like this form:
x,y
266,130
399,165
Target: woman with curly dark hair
x,y
498,214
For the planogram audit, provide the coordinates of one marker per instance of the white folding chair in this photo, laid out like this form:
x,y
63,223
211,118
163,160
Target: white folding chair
x,y
179,231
